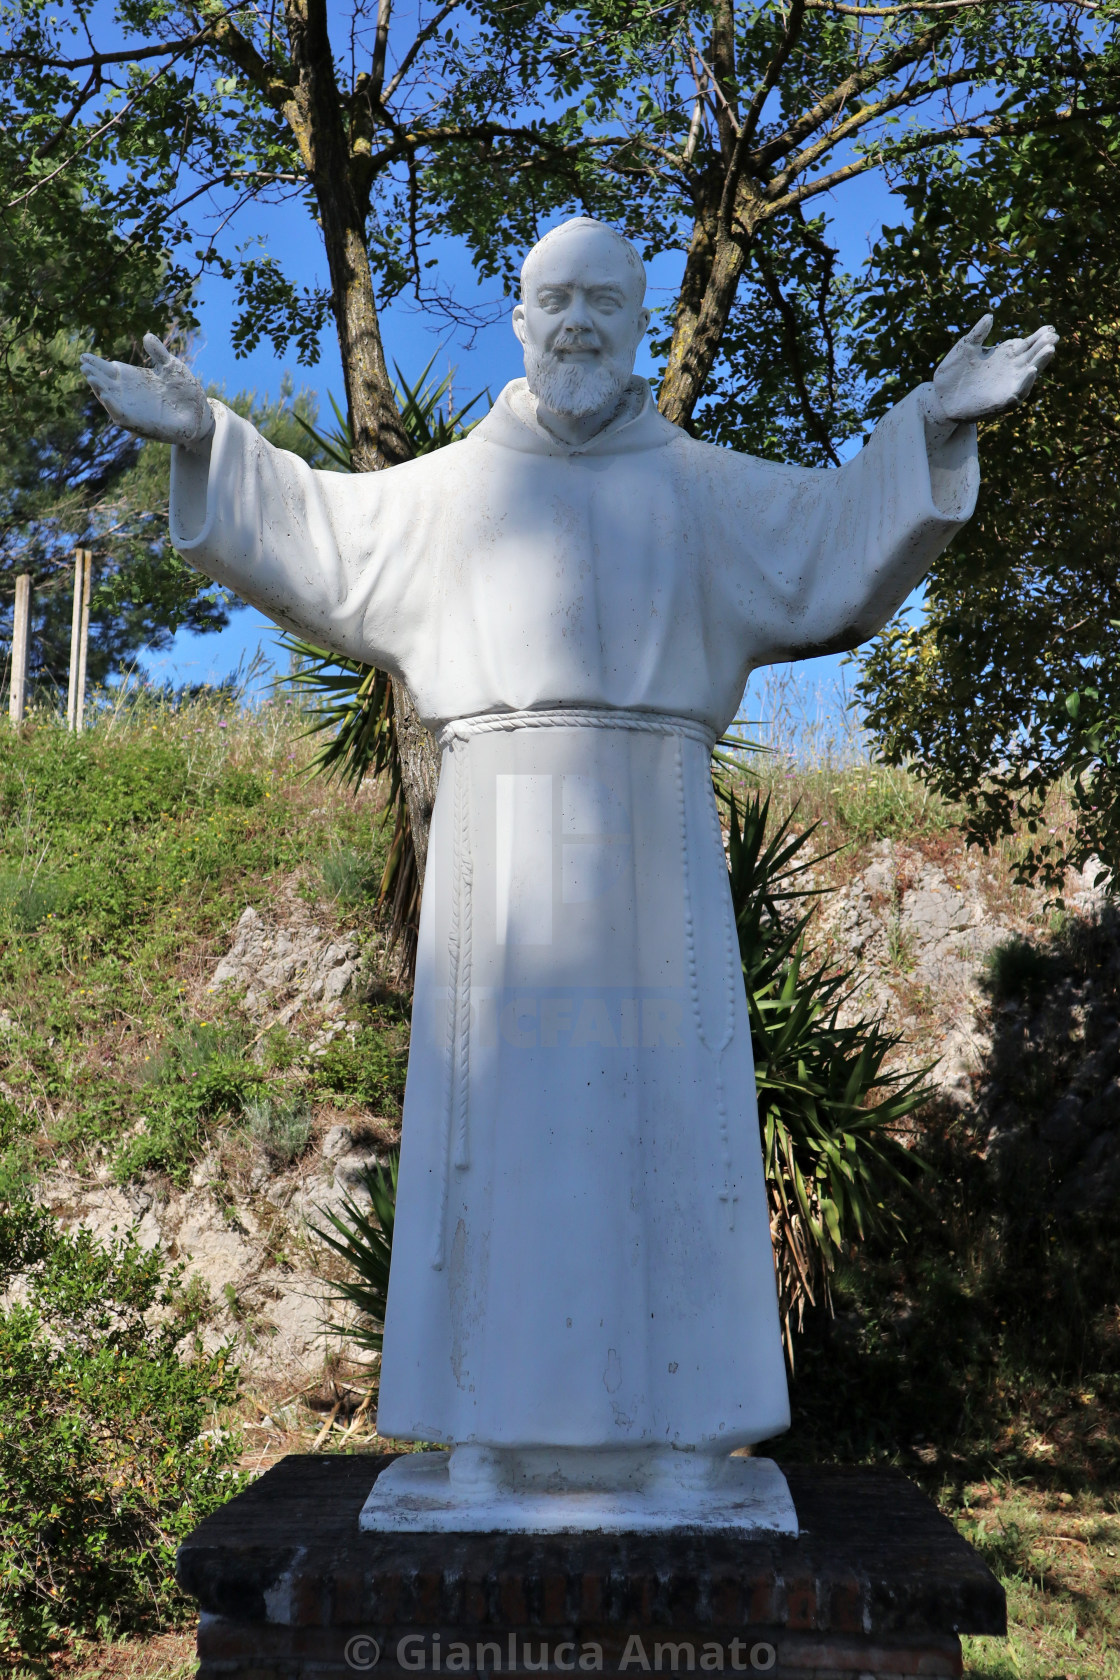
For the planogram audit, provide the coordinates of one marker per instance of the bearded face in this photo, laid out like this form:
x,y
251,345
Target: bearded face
x,y
580,321
577,384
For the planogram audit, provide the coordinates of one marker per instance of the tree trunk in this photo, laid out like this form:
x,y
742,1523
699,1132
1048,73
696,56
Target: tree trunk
x,y
419,772
378,437
699,328
718,248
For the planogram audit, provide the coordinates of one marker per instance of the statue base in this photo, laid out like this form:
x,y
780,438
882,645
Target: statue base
x,y
416,1495
876,1584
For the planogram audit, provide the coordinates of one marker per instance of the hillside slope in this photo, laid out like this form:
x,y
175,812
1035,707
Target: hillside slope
x,y
201,1034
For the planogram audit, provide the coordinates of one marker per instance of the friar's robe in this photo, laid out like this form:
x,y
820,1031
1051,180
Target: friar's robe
x,y
582,1252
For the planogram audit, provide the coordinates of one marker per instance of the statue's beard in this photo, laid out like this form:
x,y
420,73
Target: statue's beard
x,y
574,388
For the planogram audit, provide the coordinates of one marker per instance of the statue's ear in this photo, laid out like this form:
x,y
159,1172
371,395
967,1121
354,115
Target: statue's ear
x,y
518,319
645,317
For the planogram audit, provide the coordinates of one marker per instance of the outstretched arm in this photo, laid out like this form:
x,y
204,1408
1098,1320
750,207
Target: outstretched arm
x,y
843,549
308,548
164,402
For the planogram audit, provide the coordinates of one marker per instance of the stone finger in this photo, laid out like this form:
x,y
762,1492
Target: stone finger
x,y
161,356
981,330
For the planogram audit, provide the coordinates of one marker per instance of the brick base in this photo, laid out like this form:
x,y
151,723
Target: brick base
x,y
230,1650
878,1586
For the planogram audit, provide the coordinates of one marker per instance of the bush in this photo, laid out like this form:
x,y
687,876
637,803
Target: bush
x,y
370,1067
1017,968
198,1076
280,1125
829,1107
108,1450
351,877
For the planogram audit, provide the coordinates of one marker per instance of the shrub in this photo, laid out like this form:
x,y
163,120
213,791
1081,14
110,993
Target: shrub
x,y
108,1450
370,1066
363,1238
828,1106
351,877
1017,968
281,1126
28,899
198,1076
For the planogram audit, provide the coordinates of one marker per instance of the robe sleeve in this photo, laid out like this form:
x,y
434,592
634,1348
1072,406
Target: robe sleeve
x,y
322,554
834,553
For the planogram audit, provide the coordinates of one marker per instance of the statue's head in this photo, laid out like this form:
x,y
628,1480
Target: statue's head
x,y
581,316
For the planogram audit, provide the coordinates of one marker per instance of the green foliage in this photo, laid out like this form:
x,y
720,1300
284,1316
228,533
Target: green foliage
x,y
108,1450
350,876
784,387
179,1117
28,899
114,503
829,1105
1009,684
157,827
280,1126
362,1237
368,1065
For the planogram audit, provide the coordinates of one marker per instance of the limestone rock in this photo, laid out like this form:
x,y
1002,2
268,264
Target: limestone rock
x,y
287,968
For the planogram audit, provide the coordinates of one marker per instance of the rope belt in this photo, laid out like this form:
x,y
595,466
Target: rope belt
x,y
657,723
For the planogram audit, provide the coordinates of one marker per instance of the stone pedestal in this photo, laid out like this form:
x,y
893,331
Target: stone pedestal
x,y
876,1584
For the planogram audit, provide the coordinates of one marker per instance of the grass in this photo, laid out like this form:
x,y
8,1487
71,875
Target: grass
x,y
126,856
1058,1556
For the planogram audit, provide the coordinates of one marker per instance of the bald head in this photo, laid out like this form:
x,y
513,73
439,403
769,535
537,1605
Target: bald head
x,y
580,319
586,246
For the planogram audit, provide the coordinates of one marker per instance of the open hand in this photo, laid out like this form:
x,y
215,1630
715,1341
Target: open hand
x,y
973,383
164,402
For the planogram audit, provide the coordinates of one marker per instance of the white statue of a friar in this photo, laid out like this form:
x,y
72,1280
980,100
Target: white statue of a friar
x,y
582,1292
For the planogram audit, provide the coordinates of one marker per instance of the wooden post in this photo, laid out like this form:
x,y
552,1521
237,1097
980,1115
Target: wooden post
x,y
79,640
21,639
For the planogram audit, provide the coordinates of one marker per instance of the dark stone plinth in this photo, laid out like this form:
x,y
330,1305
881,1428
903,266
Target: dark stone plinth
x,y
877,1583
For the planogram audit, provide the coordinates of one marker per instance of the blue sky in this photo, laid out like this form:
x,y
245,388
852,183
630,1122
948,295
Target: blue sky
x,y
411,339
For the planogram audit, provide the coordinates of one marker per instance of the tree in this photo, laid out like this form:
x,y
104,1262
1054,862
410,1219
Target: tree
x,y
704,128
68,478
1011,680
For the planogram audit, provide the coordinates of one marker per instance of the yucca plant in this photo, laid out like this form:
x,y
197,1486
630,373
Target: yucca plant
x,y
352,703
829,1108
363,1237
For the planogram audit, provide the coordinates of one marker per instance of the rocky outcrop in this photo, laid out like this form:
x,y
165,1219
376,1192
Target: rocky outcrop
x,y
243,1232
286,968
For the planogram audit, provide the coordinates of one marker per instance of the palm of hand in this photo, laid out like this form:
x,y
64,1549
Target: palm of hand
x,y
974,384
164,402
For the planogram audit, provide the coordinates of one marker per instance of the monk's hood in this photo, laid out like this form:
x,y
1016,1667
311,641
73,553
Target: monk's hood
x,y
637,426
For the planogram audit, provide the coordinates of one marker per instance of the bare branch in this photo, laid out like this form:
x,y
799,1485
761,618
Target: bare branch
x,y
865,114
794,24
997,130
825,108
840,8
420,41
380,48
787,315
98,61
